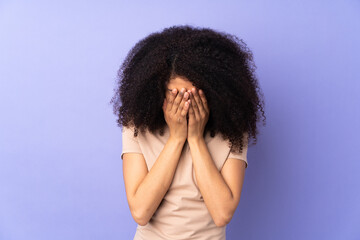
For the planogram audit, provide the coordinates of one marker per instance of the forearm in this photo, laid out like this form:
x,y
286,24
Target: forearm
x,y
154,186
216,193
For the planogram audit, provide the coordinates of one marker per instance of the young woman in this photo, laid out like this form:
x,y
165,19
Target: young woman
x,y
188,101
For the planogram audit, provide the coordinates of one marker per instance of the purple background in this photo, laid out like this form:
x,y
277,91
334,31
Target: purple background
x,y
60,166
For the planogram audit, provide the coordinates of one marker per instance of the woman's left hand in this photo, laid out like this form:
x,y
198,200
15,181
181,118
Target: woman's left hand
x,y
198,114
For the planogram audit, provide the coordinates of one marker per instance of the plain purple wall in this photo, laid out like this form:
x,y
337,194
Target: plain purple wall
x,y
60,169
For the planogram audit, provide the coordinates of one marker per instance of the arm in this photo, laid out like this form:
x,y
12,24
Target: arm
x,y
145,189
221,190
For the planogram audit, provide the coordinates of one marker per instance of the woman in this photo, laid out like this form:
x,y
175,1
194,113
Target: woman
x,y
188,101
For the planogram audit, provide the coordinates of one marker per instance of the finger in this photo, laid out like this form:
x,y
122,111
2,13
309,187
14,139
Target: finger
x,y
183,101
203,100
177,101
186,108
170,101
197,99
194,106
191,110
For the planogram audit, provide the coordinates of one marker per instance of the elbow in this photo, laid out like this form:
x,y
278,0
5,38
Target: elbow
x,y
141,223
140,218
140,213
221,222
223,218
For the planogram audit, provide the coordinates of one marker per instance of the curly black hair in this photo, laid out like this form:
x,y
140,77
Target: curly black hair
x,y
218,63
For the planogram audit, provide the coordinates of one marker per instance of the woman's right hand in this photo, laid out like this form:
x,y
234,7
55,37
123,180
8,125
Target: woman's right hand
x,y
175,108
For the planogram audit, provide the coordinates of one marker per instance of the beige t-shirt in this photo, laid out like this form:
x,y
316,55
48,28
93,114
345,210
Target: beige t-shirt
x,y
182,214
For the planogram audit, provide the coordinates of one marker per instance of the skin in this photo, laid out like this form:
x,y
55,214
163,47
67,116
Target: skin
x,y
186,115
172,112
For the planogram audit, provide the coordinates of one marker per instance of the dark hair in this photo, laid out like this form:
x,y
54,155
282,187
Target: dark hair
x,y
218,63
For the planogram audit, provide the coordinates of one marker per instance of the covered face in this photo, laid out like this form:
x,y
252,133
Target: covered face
x,y
178,82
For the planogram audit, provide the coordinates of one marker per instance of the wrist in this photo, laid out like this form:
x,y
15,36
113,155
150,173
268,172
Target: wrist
x,y
177,140
195,140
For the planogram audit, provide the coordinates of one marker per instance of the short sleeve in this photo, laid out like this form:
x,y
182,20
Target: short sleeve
x,y
243,155
129,142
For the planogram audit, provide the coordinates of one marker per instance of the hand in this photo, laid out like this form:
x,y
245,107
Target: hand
x,y
198,114
175,108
